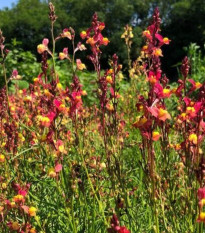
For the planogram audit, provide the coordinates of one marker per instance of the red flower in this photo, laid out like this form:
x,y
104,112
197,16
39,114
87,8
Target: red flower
x,y
123,229
201,193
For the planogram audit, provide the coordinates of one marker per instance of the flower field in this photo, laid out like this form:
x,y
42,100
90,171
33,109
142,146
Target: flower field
x,y
121,154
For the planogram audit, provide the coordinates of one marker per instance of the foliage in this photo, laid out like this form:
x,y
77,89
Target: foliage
x,y
197,61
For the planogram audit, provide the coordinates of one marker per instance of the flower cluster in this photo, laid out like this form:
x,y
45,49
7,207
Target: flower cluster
x,y
18,205
95,39
115,226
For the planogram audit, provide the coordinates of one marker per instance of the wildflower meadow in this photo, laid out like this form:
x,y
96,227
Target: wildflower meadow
x,y
104,150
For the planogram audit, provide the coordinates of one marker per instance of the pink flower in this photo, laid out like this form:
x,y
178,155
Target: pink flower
x,y
201,193
58,167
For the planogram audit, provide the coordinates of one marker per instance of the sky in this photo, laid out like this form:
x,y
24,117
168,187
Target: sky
x,y
6,3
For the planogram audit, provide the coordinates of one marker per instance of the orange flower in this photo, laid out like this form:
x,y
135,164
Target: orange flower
x,y
155,136
183,116
198,85
41,48
166,92
44,120
84,92
62,56
83,34
90,41
33,230
18,198
32,211
105,41
201,217
140,122
109,107
80,65
202,202
166,40
109,79
66,33
101,26
152,79
15,226
47,93
145,48
157,52
163,114
147,34
110,71
190,110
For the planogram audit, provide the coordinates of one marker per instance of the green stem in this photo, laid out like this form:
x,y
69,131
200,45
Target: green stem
x,y
73,59
5,80
73,217
128,57
93,190
54,46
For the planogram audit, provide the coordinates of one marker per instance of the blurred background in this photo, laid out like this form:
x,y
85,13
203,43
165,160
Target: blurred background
x,y
25,23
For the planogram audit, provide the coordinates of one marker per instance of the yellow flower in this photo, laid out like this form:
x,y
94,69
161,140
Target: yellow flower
x,y
90,41
80,65
2,158
166,91
66,34
47,93
190,110
110,71
163,114
105,41
201,217
155,136
4,185
198,85
52,173
18,198
193,138
109,79
109,107
59,86
13,204
83,34
202,202
41,48
32,211
157,52
84,93
146,33
62,56
166,40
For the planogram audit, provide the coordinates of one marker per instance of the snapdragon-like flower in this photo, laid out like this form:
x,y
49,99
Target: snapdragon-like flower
x,y
193,138
2,158
32,211
94,37
64,54
80,65
156,136
66,34
43,47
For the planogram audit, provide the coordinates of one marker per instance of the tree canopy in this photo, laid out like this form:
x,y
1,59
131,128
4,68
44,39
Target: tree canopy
x,y
183,22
